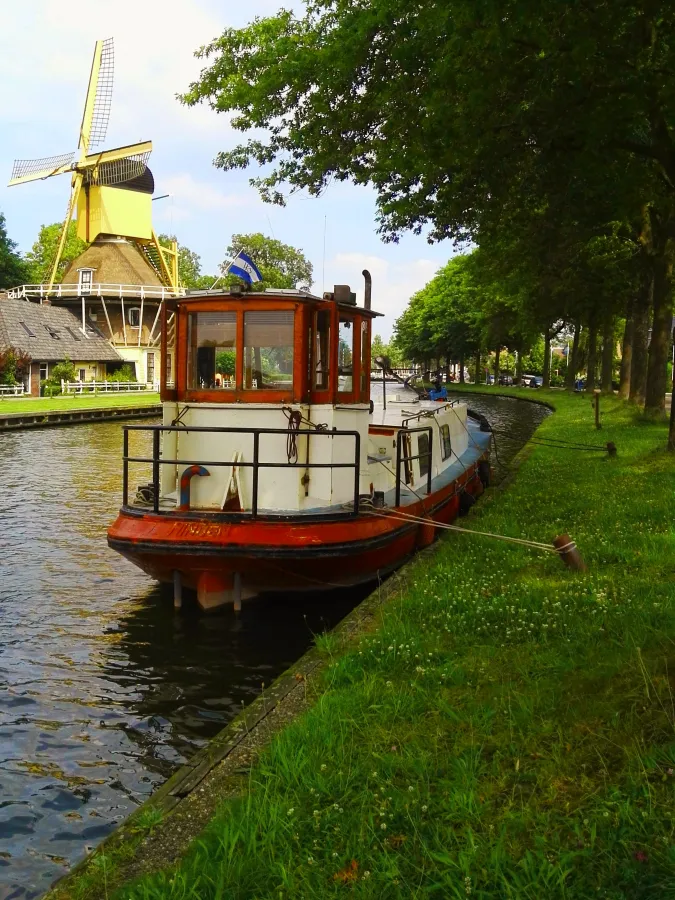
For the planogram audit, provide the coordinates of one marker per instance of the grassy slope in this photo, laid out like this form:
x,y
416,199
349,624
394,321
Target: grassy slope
x,y
507,731
75,402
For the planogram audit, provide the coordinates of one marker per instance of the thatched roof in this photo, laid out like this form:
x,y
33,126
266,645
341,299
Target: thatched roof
x,y
115,261
50,333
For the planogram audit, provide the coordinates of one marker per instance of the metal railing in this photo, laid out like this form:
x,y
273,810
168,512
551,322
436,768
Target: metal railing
x,y
139,291
14,390
400,458
108,387
156,460
428,413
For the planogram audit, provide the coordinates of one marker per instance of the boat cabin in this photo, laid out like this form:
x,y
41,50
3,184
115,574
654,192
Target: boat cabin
x,y
268,411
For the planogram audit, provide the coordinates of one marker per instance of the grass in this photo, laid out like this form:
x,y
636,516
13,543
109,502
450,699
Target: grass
x,y
506,730
75,401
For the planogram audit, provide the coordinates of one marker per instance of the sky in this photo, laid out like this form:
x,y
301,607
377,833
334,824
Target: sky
x,y
45,58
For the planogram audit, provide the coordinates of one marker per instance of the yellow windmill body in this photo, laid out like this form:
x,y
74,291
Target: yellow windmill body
x,y
111,190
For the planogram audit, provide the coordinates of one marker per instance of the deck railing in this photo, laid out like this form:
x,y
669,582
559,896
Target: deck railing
x,y
108,291
157,460
108,387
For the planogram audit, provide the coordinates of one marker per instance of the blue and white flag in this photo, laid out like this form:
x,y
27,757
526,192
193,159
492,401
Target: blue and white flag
x,y
243,266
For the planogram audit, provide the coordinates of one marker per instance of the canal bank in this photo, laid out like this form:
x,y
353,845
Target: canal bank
x,y
500,726
48,412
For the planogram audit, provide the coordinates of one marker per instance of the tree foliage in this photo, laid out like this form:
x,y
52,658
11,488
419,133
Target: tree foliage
x,y
41,256
13,268
280,265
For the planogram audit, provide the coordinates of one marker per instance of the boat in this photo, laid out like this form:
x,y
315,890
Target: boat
x,y
273,469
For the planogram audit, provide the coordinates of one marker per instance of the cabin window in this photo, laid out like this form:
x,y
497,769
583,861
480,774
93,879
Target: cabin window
x,y
134,316
365,367
212,349
150,368
423,452
322,350
446,444
268,350
346,355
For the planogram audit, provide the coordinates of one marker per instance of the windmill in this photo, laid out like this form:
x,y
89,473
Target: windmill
x,y
111,190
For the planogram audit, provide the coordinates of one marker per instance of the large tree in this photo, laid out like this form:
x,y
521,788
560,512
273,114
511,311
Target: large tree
x,y
43,253
450,109
280,265
13,268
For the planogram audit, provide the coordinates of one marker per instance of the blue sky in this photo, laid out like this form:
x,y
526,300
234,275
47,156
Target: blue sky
x,y
45,56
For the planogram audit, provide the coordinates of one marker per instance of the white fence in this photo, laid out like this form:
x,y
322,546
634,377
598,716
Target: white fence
x,y
107,291
15,390
107,387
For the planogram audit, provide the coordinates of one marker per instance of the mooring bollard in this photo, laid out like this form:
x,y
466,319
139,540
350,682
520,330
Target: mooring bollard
x,y
611,448
567,551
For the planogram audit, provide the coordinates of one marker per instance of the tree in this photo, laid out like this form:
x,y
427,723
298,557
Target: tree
x,y
13,268
14,365
452,109
281,265
41,257
189,265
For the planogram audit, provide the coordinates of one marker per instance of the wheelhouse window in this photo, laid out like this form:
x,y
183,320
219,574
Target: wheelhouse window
x,y
321,356
446,444
423,453
268,350
346,355
212,350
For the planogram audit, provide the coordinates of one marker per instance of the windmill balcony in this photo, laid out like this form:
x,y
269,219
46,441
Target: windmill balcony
x,y
140,291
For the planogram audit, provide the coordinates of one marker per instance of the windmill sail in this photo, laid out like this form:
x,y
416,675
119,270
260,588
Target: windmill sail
x,y
99,96
35,169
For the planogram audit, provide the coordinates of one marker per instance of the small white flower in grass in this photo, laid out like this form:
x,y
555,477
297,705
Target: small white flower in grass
x,y
334,853
310,860
323,767
411,788
316,812
383,826
291,811
424,808
366,874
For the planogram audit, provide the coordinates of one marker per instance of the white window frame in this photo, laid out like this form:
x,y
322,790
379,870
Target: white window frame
x,y
134,309
85,285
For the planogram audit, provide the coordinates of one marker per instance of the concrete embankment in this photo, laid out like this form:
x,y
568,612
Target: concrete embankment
x,y
15,421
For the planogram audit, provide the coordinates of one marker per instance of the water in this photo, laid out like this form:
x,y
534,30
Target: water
x,y
104,690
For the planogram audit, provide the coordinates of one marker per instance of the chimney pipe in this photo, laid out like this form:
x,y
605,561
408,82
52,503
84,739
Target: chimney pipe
x,y
368,290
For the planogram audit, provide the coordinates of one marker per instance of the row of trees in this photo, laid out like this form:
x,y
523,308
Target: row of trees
x,y
543,133
281,265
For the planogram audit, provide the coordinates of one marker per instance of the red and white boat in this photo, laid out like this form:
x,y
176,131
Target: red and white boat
x,y
273,470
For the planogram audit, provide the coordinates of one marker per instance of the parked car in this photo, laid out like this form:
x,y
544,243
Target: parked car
x,y
505,379
533,381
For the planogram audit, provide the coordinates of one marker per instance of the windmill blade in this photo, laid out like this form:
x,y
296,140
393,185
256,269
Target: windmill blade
x,y
116,166
72,204
35,169
99,96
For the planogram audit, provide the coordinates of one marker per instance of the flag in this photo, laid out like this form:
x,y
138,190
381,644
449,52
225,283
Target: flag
x,y
244,267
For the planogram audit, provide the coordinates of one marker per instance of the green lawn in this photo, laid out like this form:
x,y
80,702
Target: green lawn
x,y
67,403
508,728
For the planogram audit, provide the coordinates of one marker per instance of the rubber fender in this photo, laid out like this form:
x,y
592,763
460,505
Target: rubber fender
x,y
480,418
484,472
466,501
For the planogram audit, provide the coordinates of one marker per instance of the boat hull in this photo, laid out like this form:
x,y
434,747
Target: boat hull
x,y
222,559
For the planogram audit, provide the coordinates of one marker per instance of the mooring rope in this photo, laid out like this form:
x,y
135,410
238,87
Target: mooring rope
x,y
409,517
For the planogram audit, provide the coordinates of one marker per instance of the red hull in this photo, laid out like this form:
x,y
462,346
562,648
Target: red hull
x,y
270,554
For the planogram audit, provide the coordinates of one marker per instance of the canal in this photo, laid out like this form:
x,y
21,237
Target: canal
x,y
104,689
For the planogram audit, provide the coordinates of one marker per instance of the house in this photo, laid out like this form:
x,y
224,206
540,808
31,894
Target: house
x,y
49,334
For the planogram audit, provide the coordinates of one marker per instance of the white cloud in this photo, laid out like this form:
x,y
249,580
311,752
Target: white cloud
x,y
394,283
189,196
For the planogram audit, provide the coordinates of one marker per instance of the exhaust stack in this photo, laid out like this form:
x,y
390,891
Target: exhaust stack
x,y
369,289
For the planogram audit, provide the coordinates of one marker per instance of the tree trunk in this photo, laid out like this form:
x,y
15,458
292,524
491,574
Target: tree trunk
x,y
659,346
626,354
607,355
573,359
592,357
546,380
519,367
496,369
638,369
476,379
461,370
671,430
